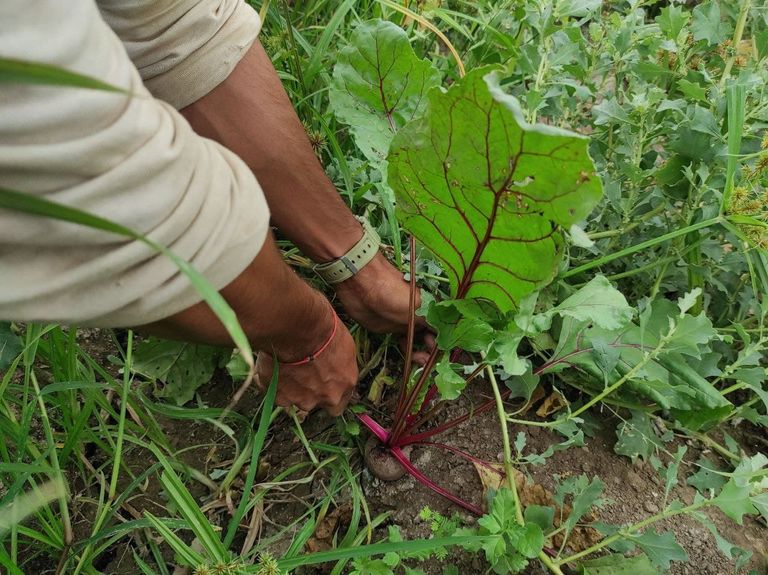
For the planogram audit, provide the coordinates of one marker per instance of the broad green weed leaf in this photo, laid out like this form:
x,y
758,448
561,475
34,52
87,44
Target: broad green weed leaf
x,y
523,385
488,193
528,539
10,345
182,367
708,25
609,111
618,565
540,515
379,85
597,302
735,502
583,500
726,547
707,477
503,352
636,437
761,504
661,549
672,20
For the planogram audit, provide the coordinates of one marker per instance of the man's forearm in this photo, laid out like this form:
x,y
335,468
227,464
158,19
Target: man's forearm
x,y
277,310
250,114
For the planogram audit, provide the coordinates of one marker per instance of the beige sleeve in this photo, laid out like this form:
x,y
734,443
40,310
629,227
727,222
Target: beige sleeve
x,y
182,48
133,160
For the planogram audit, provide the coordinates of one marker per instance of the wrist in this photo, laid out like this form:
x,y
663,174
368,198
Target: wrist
x,y
327,247
316,327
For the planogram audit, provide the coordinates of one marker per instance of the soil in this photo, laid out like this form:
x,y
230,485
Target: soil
x,y
633,490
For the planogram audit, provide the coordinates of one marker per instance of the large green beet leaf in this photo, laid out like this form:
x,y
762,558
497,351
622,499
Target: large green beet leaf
x,y
487,193
379,85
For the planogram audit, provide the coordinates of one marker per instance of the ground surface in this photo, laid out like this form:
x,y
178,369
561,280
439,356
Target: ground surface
x,y
633,490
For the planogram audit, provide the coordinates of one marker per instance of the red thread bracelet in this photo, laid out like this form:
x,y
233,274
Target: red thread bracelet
x,y
311,357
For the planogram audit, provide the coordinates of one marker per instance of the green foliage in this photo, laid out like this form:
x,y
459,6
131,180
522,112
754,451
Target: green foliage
x,y
512,544
661,549
10,345
618,565
180,366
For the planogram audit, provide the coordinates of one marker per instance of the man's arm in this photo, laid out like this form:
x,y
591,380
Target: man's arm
x,y
280,315
250,114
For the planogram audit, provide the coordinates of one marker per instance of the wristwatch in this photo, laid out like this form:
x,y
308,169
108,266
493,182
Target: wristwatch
x,y
354,260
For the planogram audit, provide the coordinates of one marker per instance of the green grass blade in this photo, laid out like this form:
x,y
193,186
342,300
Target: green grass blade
x,y
145,569
321,47
379,549
24,72
191,557
641,246
190,511
258,444
6,562
17,201
736,99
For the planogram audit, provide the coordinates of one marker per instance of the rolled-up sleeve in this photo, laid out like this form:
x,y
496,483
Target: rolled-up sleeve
x,y
131,159
182,48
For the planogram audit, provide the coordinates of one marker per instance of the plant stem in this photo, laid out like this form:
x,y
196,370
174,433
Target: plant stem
x,y
606,392
641,246
737,35
510,472
624,229
630,530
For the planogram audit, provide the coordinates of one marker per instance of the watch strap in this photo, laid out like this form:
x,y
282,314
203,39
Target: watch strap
x,y
354,260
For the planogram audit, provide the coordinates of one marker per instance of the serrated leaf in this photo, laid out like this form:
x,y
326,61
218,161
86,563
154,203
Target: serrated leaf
x,y
609,111
528,539
688,300
618,565
672,19
636,437
583,500
708,25
379,85
761,504
10,345
449,383
503,352
523,385
726,547
670,474
735,502
661,549
182,367
707,478
487,193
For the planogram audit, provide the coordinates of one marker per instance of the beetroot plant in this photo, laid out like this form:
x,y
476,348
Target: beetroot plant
x,y
489,195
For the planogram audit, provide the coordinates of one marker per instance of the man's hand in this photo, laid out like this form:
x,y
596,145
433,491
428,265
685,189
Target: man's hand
x,y
378,298
327,381
280,314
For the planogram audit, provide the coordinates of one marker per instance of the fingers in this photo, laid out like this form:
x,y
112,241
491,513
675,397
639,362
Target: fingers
x,y
420,356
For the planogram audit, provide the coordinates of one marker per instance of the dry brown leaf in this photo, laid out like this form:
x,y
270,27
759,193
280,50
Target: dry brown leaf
x,y
322,540
554,403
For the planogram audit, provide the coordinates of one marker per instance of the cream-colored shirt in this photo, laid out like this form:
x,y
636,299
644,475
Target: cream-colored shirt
x,y
133,160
